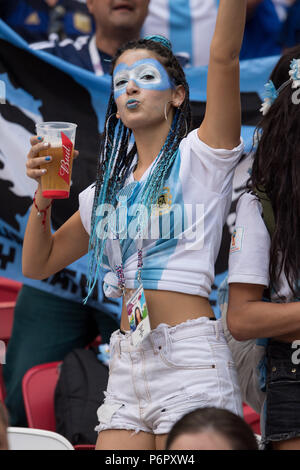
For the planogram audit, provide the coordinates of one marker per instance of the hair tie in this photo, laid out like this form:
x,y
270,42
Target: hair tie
x,y
295,73
271,94
160,39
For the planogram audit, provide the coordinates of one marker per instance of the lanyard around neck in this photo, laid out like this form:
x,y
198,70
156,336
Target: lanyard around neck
x,y
95,57
115,249
119,267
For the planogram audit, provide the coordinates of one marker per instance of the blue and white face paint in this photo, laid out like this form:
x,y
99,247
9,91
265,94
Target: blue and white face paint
x,y
146,73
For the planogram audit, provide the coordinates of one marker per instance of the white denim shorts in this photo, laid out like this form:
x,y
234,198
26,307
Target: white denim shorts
x,y
174,370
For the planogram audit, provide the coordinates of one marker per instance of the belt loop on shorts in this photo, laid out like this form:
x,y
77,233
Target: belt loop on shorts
x,y
167,339
119,347
155,349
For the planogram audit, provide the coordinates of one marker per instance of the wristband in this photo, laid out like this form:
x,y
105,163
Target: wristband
x,y
41,211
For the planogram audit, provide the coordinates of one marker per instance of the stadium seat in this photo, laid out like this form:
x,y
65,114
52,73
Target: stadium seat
x,y
252,418
8,295
6,320
38,386
9,289
36,439
6,323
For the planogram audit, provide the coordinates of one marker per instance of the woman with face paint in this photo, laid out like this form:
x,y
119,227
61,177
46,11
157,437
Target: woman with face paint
x,y
154,219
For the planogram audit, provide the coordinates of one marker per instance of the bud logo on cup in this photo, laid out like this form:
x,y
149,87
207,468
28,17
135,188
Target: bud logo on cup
x,y
67,147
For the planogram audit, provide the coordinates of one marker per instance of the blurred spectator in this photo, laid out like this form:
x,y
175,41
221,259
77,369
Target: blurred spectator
x,y
211,429
282,8
113,27
263,27
35,20
3,427
190,26
290,35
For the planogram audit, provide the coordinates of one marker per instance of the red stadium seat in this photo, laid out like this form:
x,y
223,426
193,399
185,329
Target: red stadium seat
x,y
6,324
6,319
9,289
38,387
252,418
8,295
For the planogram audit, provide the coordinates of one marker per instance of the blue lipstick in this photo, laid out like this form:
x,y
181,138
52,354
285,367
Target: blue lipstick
x,y
132,104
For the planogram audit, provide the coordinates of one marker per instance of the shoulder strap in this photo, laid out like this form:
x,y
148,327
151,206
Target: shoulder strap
x,y
268,213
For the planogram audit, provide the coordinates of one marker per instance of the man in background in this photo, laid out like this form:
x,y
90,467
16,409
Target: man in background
x,y
35,20
116,22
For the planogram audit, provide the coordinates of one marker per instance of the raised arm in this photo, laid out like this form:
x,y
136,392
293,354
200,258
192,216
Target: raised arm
x,y
222,122
45,253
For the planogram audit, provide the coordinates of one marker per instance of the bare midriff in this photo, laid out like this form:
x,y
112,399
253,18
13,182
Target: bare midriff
x,y
171,308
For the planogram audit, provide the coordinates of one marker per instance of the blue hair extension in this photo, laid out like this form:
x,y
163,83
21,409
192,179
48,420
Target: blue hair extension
x,y
97,244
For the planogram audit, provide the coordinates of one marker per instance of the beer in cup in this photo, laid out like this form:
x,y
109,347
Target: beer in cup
x,y
61,136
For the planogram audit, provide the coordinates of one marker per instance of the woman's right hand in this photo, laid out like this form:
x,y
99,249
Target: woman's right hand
x,y
34,161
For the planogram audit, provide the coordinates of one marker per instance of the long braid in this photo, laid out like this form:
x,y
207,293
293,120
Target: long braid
x,y
115,161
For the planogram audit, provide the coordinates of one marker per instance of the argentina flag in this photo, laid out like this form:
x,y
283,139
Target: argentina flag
x,y
35,87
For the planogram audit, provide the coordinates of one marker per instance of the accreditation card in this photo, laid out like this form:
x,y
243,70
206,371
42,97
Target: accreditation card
x,y
138,316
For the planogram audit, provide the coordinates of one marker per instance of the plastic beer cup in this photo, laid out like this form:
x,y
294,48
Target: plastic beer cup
x,y
61,136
